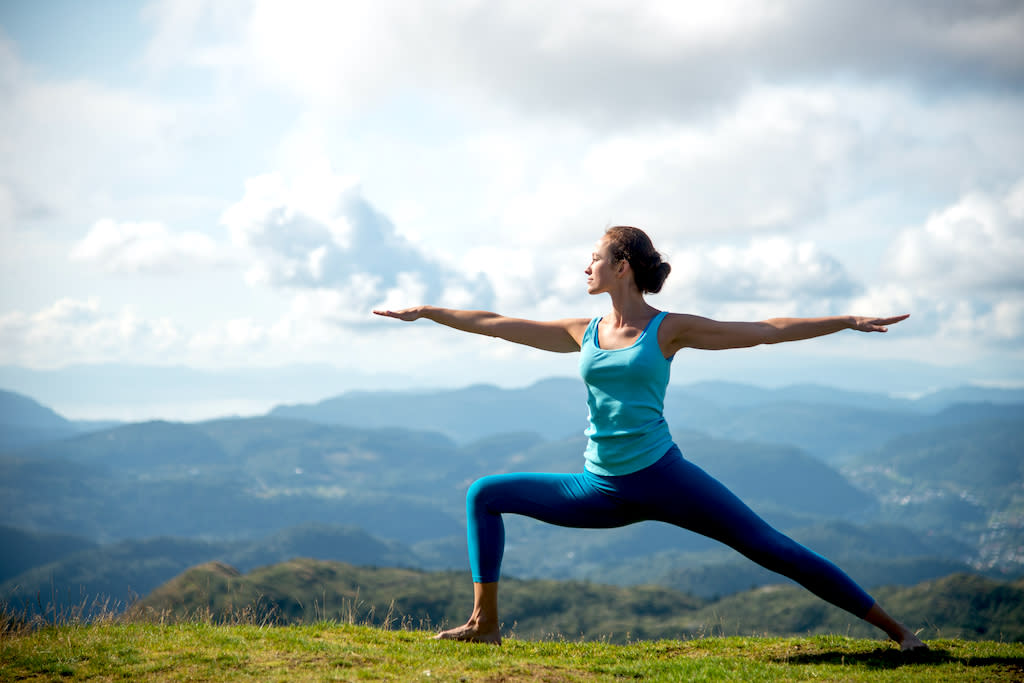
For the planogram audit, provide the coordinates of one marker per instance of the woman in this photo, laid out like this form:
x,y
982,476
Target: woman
x,y
633,471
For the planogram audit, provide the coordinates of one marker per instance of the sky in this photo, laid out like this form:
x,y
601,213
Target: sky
x,y
236,184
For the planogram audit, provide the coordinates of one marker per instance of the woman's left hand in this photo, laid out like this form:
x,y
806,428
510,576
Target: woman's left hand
x,y
869,324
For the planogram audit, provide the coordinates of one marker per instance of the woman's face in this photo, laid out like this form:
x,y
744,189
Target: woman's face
x,y
603,270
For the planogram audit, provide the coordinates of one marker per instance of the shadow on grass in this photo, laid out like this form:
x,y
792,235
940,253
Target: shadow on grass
x,y
888,658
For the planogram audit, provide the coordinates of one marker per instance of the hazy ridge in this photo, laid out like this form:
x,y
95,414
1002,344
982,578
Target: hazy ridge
x,y
898,491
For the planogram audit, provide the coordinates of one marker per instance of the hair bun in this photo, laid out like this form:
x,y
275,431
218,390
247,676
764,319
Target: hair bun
x,y
657,276
633,244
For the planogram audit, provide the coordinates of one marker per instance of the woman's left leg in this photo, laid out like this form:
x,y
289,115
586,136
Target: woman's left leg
x,y
678,492
675,490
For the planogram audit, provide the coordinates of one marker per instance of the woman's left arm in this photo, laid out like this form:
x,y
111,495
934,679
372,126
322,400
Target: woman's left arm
x,y
693,331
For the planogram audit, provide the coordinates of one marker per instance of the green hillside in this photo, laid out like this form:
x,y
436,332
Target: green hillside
x,y
305,591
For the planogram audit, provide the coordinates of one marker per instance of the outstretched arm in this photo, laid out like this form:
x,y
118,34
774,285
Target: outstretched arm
x,y
561,336
696,332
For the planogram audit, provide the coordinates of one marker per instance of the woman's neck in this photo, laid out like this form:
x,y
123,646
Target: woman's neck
x,y
629,308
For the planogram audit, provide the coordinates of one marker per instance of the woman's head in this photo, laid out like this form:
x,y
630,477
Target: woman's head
x,y
635,247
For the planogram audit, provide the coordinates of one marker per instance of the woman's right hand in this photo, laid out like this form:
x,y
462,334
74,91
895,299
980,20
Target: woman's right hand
x,y
406,314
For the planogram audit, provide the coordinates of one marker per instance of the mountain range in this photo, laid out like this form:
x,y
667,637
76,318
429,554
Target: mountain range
x,y
897,490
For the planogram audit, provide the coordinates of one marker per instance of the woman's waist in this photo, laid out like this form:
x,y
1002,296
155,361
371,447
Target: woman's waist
x,y
619,428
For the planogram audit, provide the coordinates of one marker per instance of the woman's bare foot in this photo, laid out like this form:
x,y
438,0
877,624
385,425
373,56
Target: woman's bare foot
x,y
904,637
911,643
483,625
471,632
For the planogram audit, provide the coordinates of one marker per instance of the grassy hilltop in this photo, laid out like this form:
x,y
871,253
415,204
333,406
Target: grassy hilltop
x,y
332,651
315,620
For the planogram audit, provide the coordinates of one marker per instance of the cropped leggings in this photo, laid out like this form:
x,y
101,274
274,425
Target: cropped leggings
x,y
671,490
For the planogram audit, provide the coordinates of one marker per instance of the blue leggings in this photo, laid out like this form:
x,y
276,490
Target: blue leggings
x,y
671,490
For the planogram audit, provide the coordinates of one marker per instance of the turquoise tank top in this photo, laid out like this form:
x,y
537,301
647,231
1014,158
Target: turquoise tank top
x,y
626,400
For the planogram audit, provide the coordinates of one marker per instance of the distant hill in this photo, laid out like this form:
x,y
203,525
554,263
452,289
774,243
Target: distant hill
x,y
23,549
983,458
93,501
826,422
247,476
736,394
819,419
22,411
97,578
954,472
777,474
963,606
951,477
554,408
103,578
640,554
943,398
23,421
140,448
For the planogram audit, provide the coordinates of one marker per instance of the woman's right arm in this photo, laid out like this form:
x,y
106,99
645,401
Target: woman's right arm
x,y
560,336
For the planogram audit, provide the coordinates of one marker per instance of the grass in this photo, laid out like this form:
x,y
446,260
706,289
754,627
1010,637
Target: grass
x,y
333,651
256,644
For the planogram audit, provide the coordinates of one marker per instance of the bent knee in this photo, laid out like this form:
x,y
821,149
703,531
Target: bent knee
x,y
481,492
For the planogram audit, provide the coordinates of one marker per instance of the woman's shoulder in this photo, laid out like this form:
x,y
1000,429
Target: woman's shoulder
x,y
589,325
674,329
674,318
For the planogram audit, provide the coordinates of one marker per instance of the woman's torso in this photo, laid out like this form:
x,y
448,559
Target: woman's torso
x,y
625,397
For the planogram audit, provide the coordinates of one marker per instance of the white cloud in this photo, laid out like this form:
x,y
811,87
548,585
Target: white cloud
x,y
767,269
948,327
960,275
146,247
1006,320
607,61
784,159
77,147
977,243
8,209
83,331
957,330
189,31
292,219
998,324
86,331
319,232
234,338
773,150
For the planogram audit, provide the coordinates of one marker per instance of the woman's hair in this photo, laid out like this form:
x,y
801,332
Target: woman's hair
x,y
633,244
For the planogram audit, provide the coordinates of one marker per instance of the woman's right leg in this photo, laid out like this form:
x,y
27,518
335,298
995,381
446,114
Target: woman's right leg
x,y
568,500
562,499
